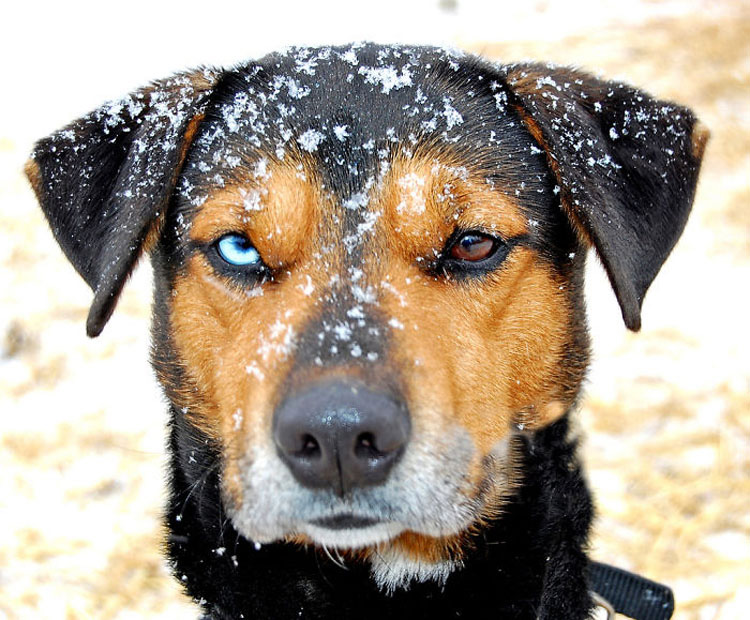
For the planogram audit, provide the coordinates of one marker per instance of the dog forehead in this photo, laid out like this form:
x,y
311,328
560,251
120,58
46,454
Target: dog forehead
x,y
350,110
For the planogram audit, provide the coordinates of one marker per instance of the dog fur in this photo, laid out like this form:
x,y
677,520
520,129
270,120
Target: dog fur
x,y
368,180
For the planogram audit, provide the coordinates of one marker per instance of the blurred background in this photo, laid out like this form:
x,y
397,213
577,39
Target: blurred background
x,y
667,418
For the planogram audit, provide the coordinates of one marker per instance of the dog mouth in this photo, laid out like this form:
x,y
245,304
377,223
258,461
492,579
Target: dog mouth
x,y
428,493
345,521
349,531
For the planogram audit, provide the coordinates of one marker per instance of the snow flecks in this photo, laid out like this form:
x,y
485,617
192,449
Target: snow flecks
x,y
388,77
310,140
356,201
356,239
342,331
279,341
458,172
368,223
350,56
307,66
605,161
254,370
387,286
256,291
548,81
251,198
499,95
237,418
307,288
356,313
341,132
395,323
260,169
413,194
452,116
233,113
295,88
364,295
67,134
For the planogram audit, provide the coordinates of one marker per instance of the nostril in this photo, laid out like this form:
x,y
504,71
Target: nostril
x,y
364,446
310,447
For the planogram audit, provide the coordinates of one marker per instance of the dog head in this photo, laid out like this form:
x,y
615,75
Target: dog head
x,y
368,270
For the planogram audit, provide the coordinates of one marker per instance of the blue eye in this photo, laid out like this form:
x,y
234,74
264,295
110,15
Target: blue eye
x,y
237,250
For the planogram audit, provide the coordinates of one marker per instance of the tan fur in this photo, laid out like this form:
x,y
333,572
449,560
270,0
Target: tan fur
x,y
428,550
34,175
486,350
701,134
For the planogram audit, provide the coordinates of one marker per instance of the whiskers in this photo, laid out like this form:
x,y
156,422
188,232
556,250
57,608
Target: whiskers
x,y
338,560
198,485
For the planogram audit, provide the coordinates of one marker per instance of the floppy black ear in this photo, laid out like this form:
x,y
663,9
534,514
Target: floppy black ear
x,y
105,180
626,163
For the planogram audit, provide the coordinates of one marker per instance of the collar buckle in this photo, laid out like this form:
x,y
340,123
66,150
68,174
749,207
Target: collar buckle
x,y
603,603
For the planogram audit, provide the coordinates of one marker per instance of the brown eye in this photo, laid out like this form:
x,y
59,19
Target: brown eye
x,y
473,247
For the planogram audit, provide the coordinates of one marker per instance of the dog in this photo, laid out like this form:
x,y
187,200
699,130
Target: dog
x,y
368,314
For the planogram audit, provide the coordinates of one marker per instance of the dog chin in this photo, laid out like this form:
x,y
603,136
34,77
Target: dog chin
x,y
390,568
393,571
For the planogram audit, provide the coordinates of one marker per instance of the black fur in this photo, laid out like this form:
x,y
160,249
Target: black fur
x,y
591,161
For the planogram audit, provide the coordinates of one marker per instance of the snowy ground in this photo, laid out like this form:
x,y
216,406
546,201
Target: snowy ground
x,y
667,418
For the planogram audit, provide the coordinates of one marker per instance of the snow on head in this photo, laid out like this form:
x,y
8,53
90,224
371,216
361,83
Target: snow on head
x,y
413,198
341,132
310,140
388,77
304,108
452,116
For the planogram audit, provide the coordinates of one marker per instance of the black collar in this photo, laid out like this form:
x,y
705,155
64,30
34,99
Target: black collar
x,y
629,594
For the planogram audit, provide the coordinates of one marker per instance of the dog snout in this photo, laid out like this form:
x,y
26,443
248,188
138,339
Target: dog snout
x,y
341,435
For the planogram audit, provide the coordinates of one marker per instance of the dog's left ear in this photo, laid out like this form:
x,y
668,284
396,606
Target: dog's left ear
x,y
104,181
626,165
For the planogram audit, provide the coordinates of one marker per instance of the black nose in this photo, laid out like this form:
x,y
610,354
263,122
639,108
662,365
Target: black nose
x,y
340,435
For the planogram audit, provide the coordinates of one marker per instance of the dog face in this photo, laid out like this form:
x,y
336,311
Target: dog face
x,y
368,266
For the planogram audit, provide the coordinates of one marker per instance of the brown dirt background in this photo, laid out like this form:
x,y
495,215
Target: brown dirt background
x,y
666,422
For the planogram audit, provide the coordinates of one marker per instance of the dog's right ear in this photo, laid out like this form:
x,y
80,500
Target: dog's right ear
x,y
104,181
